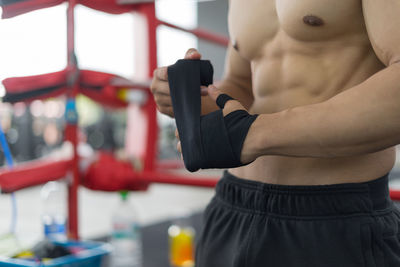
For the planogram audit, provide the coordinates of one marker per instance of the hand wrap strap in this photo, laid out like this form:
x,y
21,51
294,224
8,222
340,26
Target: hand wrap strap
x,y
212,140
222,99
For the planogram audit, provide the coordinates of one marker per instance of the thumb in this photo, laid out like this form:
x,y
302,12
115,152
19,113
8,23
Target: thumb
x,y
192,53
213,92
226,103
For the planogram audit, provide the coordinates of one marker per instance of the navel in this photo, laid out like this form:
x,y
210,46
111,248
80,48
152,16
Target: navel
x,y
313,20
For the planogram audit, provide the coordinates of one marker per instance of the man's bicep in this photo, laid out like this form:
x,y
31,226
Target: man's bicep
x,y
382,19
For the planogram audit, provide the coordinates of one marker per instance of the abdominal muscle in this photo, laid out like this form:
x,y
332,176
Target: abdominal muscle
x,y
286,78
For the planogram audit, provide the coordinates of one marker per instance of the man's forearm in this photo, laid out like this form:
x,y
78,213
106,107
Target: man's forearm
x,y
363,119
231,88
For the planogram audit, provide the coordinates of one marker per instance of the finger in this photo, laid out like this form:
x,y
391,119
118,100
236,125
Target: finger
x,y
203,90
169,111
192,53
161,73
179,147
159,87
213,92
229,105
163,100
232,105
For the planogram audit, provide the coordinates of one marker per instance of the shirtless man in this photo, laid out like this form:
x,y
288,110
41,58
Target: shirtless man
x,y
324,76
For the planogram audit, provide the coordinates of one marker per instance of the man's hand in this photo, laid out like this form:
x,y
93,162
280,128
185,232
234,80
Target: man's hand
x,y
160,88
247,154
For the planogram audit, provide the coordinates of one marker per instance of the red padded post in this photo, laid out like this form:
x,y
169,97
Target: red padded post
x,y
148,10
71,129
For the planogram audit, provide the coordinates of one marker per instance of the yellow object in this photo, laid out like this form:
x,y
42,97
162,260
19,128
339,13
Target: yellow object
x,y
47,260
181,246
25,254
122,94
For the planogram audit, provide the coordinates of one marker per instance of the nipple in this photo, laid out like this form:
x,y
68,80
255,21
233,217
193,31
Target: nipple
x,y
235,45
313,20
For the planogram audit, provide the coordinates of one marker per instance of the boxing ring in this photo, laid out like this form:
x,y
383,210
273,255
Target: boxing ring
x,y
103,88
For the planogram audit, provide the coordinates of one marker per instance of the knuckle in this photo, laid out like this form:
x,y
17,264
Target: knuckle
x,y
167,89
170,112
163,111
163,73
153,87
160,108
159,99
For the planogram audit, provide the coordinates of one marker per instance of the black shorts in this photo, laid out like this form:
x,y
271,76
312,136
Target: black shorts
x,y
253,224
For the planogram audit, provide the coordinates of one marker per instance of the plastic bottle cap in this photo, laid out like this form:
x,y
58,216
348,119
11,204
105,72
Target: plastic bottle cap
x,y
124,195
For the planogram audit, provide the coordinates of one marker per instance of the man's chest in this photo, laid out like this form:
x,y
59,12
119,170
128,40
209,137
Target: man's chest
x,y
254,24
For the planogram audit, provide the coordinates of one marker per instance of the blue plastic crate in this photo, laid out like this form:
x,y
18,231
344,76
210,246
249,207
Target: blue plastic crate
x,y
91,256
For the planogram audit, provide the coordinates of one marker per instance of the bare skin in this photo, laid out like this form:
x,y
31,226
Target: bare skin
x,y
326,79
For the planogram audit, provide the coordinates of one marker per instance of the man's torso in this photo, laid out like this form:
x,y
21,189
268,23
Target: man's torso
x,y
301,53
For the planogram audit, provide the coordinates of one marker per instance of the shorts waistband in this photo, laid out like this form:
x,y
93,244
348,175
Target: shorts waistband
x,y
314,200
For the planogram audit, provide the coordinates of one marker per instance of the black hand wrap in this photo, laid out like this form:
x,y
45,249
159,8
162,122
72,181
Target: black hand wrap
x,y
222,99
210,141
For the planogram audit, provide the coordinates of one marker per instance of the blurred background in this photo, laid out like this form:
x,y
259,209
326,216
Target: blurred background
x,y
35,43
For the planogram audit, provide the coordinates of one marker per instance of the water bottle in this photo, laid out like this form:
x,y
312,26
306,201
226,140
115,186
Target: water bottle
x,y
125,237
54,199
